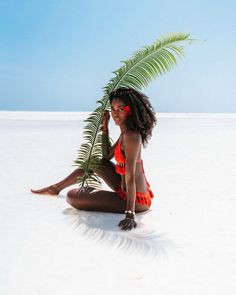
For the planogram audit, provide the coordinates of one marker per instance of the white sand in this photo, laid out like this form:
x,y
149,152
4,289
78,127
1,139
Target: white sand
x,y
185,244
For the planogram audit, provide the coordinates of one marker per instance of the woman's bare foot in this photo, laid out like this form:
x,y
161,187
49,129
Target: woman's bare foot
x,y
49,190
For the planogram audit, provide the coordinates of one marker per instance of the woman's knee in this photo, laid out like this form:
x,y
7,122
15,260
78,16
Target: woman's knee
x,y
72,195
77,197
103,164
107,171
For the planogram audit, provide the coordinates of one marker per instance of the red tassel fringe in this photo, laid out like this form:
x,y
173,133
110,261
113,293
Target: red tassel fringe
x,y
141,198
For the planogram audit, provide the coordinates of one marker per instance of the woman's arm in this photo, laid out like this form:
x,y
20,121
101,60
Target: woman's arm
x,y
132,145
106,147
108,151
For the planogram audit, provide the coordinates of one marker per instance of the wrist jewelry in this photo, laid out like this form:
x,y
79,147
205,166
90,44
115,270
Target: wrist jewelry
x,y
129,211
129,214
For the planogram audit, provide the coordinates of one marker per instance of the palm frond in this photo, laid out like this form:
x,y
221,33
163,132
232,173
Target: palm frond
x,y
137,73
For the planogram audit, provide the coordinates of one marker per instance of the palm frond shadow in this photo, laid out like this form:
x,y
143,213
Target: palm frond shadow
x,y
102,228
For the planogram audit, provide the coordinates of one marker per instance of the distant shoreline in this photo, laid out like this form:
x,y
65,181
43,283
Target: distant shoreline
x,y
75,116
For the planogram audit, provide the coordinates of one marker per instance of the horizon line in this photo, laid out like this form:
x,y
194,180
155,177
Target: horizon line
x,y
81,115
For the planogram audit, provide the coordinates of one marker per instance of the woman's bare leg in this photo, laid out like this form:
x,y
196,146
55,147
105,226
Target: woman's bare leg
x,y
91,199
55,189
106,171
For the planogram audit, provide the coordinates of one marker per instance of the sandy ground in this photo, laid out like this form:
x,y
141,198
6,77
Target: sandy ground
x,y
185,244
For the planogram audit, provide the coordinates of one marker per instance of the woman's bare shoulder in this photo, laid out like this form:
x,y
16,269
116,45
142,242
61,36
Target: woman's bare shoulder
x,y
132,136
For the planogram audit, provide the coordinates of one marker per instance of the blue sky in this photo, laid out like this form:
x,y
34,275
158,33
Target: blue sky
x,y
57,55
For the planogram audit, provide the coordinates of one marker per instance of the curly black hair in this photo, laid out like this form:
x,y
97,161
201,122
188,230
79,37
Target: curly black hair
x,y
143,117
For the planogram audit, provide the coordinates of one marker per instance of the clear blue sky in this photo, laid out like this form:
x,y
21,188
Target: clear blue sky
x,y
57,55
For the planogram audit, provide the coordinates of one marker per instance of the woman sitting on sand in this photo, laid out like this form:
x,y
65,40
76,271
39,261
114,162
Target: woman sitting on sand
x,y
133,113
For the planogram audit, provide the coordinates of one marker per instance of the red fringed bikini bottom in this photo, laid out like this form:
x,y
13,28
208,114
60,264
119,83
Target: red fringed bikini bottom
x,y
141,198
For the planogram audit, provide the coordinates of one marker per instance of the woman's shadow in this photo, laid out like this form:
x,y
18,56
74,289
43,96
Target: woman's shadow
x,y
102,228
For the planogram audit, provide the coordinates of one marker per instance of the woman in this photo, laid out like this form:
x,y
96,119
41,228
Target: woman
x,y
133,113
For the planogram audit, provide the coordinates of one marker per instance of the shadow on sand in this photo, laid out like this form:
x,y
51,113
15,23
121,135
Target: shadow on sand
x,y
102,228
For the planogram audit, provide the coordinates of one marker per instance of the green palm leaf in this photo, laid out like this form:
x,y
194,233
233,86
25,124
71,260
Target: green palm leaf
x,y
137,72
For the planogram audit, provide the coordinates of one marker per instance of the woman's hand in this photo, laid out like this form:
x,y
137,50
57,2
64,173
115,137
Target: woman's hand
x,y
105,120
127,223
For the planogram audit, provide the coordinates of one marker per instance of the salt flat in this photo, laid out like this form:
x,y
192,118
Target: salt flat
x,y
185,244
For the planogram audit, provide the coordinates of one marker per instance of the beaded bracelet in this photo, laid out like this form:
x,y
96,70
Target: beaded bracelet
x,y
129,211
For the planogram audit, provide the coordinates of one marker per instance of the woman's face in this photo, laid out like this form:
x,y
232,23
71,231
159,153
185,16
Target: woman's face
x,y
118,114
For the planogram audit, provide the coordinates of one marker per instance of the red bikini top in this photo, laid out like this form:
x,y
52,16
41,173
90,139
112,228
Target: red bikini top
x,y
120,158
